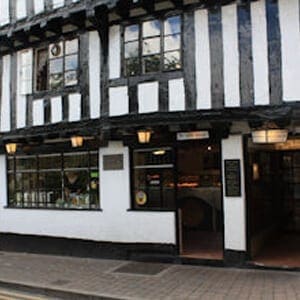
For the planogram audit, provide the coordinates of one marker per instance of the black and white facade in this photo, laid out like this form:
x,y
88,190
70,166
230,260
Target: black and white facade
x,y
199,76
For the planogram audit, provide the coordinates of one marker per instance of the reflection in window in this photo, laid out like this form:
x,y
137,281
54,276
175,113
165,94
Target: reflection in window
x,y
57,65
68,180
152,46
153,179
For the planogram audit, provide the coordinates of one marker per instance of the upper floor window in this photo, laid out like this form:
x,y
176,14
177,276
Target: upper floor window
x,y
152,46
57,65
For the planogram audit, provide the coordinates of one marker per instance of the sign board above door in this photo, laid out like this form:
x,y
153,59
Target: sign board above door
x,y
192,135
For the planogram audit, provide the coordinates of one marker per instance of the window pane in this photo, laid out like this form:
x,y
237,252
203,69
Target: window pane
x,y
26,163
172,25
151,46
78,160
71,46
47,162
151,63
71,62
131,33
94,160
50,192
132,66
151,28
41,70
56,66
158,156
56,50
11,190
94,189
71,78
10,163
56,81
29,188
172,42
76,184
131,49
172,60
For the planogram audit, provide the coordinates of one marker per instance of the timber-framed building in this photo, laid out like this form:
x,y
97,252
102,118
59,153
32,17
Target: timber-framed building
x,y
163,129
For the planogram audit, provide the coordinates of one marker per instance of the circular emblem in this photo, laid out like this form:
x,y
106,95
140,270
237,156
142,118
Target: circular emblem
x,y
56,50
140,198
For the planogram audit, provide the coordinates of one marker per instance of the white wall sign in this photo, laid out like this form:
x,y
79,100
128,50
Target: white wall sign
x,y
192,135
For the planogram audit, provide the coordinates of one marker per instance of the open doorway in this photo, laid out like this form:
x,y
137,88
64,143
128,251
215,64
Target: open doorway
x,y
274,203
200,200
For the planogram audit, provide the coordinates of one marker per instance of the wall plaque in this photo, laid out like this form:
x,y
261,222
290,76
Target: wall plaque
x,y
113,162
232,177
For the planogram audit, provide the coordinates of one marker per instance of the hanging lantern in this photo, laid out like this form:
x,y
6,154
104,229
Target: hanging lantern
x,y
76,141
270,136
144,136
11,148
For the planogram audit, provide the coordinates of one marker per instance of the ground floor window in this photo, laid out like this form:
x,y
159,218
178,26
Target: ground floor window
x,y
57,180
153,179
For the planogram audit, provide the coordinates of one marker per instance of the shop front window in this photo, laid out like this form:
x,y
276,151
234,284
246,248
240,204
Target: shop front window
x,y
60,180
153,179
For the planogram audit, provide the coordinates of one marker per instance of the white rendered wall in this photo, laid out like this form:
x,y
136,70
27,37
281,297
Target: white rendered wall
x,y
176,95
94,74
56,109
234,207
231,56
290,47
74,107
21,9
4,12
114,52
260,53
202,52
148,97
113,224
38,6
38,112
118,101
5,93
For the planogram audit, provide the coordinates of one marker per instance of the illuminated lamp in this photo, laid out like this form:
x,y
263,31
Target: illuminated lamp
x,y
144,136
269,136
11,148
76,141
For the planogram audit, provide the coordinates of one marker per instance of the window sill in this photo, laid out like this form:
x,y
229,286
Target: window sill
x,y
54,208
151,210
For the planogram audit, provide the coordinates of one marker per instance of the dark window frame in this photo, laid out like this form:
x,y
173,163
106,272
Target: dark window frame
x,y
38,203
171,166
64,71
162,35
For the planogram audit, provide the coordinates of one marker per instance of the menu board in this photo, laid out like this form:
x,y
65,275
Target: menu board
x,y
233,178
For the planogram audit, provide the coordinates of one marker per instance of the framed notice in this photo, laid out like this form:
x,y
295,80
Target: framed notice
x,y
232,177
113,162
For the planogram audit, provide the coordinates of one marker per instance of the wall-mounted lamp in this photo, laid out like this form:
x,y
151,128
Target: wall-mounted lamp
x,y
269,136
76,141
11,148
144,136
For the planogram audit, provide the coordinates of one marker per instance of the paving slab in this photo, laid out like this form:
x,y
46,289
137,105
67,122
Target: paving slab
x,y
85,278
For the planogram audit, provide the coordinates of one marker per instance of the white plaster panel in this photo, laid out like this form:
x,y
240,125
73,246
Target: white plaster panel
x,y
118,101
231,56
113,224
4,12
114,52
38,112
202,52
56,110
5,93
38,6
94,74
148,97
234,207
58,3
21,9
290,48
74,107
260,53
176,95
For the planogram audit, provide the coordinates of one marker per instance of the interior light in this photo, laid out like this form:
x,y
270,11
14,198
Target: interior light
x,y
144,136
270,136
11,148
76,141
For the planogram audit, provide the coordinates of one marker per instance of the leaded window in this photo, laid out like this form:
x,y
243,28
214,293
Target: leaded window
x,y
57,65
58,180
152,46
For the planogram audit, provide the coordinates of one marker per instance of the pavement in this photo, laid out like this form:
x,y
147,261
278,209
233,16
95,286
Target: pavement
x,y
84,278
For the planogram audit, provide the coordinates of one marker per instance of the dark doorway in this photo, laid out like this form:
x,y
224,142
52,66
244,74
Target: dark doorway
x,y
200,200
274,203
